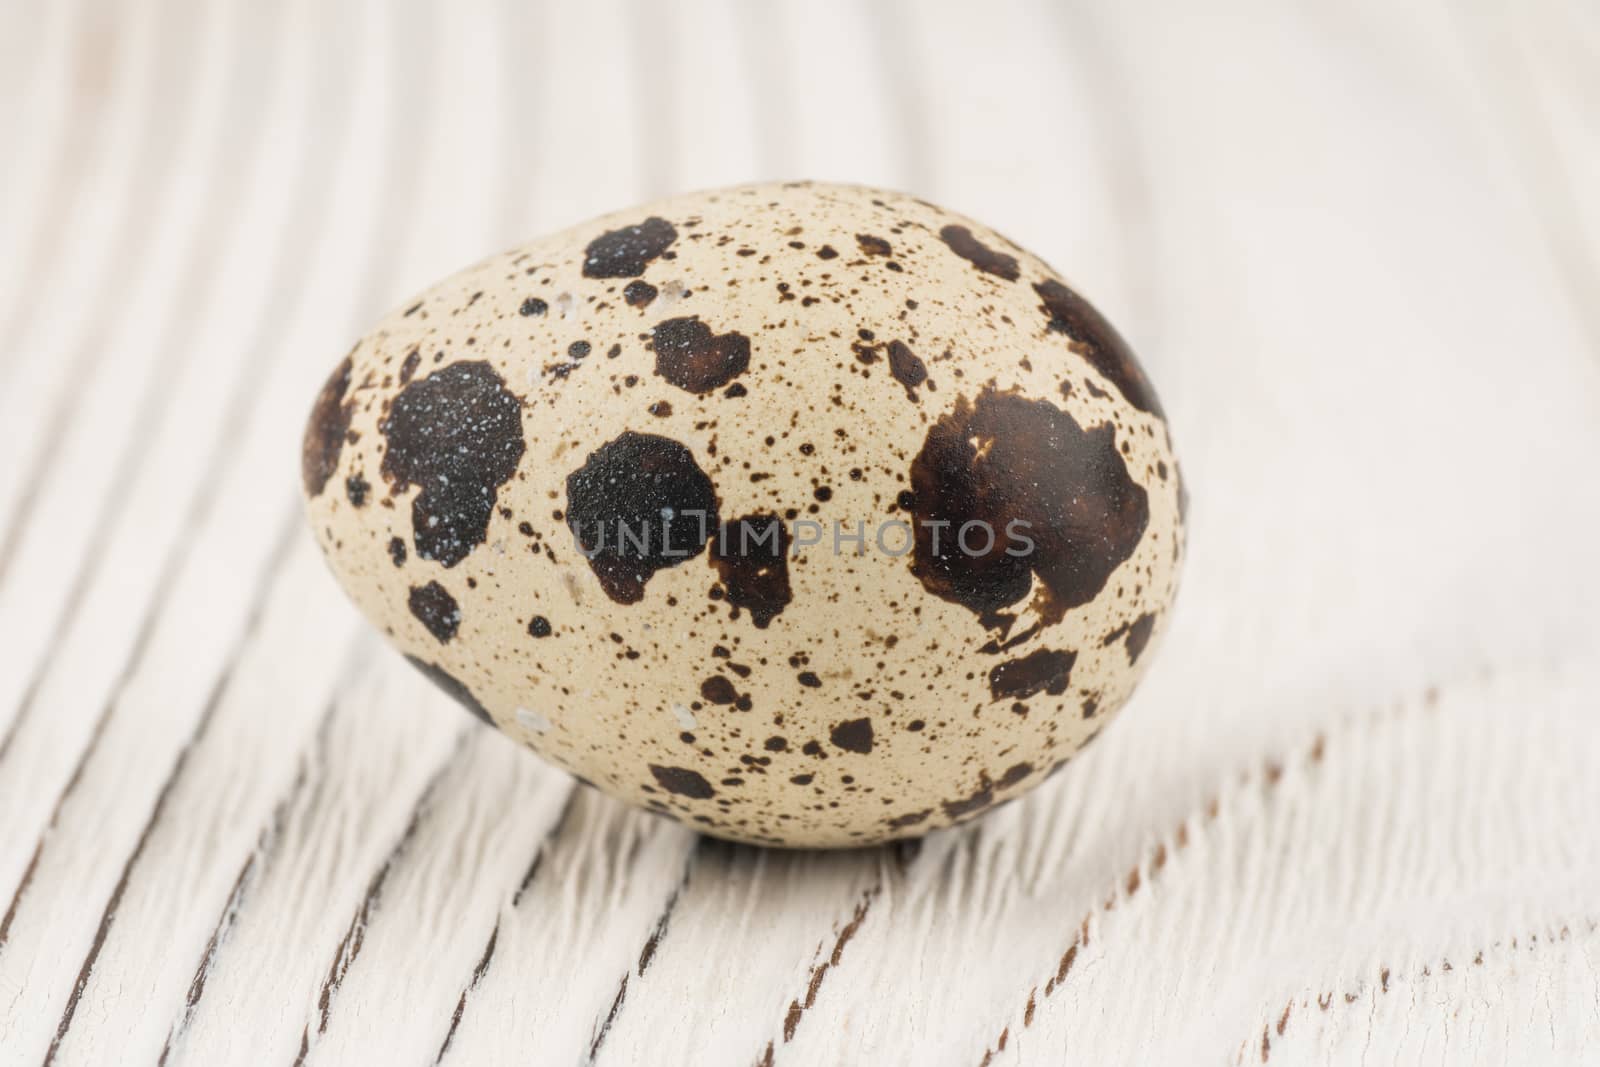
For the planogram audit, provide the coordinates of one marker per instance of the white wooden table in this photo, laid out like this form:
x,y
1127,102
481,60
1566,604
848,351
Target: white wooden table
x,y
1351,816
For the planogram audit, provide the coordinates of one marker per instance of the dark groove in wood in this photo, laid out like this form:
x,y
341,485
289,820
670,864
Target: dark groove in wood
x,y
261,857
611,1016
224,923
461,1004
55,817
263,585
1386,979
648,952
147,624
135,655
550,835
900,855
797,1008
350,945
1146,872
141,641
556,829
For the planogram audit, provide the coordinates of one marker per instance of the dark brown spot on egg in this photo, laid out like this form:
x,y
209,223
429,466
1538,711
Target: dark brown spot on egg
x,y
639,503
979,799
577,352
680,781
984,796
907,368
457,434
1014,774
1135,636
913,818
1098,341
453,687
751,557
874,246
809,679
626,252
539,626
325,430
1044,670
638,294
436,609
533,306
408,368
853,736
355,490
397,551
1010,487
691,357
719,690
980,255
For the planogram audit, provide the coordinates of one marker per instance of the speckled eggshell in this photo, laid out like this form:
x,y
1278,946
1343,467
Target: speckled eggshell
x,y
812,353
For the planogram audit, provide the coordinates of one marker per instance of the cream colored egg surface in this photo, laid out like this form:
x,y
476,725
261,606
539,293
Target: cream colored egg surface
x,y
805,514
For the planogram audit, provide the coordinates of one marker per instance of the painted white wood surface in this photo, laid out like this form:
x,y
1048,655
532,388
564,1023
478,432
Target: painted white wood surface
x,y
1351,816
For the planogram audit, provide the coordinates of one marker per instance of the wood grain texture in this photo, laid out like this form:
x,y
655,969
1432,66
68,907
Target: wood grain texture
x,y
1349,817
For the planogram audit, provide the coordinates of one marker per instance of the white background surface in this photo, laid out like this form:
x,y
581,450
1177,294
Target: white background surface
x,y
1350,817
